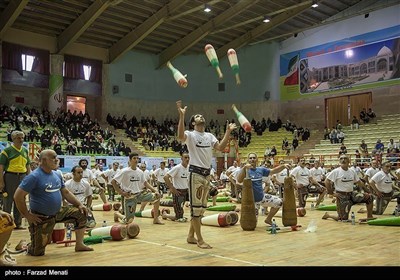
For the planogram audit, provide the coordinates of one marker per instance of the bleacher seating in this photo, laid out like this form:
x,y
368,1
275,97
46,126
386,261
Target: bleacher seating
x,y
258,144
385,128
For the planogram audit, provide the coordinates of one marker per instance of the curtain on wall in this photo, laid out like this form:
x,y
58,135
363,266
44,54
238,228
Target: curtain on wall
x,y
358,102
12,59
343,108
73,68
337,110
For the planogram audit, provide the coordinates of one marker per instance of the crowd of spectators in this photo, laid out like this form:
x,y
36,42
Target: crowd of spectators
x,y
64,131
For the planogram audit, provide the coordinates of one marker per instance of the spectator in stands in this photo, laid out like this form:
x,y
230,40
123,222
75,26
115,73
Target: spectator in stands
x,y
33,135
397,146
338,125
267,151
379,150
9,131
273,152
295,143
333,136
390,145
151,144
358,157
285,144
363,149
306,135
355,124
340,136
371,114
342,150
71,147
58,149
327,133
363,116
392,156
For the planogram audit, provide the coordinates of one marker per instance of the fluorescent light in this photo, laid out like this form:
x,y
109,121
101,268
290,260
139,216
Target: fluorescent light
x,y
314,4
266,19
207,8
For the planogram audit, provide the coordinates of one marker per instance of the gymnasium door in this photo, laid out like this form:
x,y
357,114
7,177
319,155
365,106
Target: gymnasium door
x,y
343,108
76,103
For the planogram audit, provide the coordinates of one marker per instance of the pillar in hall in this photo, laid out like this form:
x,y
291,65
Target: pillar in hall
x,y
56,82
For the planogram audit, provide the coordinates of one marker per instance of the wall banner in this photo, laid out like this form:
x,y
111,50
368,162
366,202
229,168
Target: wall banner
x,y
362,62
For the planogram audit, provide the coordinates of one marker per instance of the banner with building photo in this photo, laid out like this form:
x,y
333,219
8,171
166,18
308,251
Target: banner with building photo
x,y
361,62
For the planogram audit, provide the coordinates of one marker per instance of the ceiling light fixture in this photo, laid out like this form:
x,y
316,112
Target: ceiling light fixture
x,y
207,8
266,19
314,4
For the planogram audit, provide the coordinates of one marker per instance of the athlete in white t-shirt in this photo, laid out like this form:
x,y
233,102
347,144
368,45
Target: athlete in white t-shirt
x,y
200,145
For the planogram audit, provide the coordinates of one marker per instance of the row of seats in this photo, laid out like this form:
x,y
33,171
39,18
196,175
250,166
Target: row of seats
x,y
384,129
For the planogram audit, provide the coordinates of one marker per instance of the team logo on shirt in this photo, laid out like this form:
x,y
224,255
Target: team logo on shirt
x,y
200,145
203,144
51,188
133,179
344,180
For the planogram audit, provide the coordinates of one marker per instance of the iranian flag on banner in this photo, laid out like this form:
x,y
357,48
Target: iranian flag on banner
x,y
292,77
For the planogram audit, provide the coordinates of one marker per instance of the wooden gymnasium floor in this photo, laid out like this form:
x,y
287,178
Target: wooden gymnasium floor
x,y
332,244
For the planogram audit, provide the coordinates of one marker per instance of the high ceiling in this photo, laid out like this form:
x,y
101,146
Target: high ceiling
x,y
174,27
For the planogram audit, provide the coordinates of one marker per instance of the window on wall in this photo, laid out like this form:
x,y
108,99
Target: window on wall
x,y
27,62
87,70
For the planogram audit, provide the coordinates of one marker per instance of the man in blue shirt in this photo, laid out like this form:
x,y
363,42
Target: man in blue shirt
x,y
256,173
46,191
